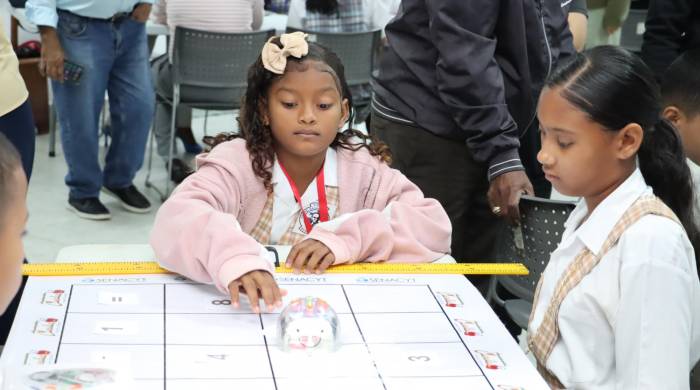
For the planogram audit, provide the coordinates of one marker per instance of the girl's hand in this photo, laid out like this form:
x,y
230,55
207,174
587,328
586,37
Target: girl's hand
x,y
310,255
257,285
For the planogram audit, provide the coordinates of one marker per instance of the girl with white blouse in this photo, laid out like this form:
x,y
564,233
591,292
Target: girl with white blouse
x,y
618,306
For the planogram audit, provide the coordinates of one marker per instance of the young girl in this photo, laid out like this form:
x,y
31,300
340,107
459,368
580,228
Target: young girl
x,y
248,191
618,306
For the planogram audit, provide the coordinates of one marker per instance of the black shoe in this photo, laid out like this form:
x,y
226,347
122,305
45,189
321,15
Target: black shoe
x,y
130,198
89,208
180,171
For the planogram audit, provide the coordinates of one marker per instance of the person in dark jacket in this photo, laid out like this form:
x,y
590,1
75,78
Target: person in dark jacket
x,y
455,99
672,27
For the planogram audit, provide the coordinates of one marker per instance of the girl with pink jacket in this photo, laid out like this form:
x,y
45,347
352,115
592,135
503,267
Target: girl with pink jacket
x,y
292,177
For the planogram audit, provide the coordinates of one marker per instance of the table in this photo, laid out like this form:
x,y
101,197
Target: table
x,y
397,332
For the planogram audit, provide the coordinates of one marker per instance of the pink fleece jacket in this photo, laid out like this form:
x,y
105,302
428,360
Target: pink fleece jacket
x,y
201,231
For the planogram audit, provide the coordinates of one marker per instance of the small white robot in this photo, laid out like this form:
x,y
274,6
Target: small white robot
x,y
308,324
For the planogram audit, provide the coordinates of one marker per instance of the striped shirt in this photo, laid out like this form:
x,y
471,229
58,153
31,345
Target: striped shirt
x,y
351,16
226,16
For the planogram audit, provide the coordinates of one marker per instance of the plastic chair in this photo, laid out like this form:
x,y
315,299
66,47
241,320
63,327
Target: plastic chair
x,y
218,61
633,29
540,231
357,51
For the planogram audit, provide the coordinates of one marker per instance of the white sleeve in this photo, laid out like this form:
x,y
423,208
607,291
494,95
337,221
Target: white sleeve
x,y
654,319
297,11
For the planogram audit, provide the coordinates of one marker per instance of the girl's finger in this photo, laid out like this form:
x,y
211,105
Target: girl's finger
x,y
316,257
251,289
234,290
327,261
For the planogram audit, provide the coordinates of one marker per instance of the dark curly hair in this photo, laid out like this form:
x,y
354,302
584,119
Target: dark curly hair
x,y
258,136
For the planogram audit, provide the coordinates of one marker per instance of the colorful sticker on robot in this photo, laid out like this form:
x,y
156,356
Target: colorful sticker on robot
x,y
53,297
71,379
450,299
36,358
469,327
308,324
46,326
492,360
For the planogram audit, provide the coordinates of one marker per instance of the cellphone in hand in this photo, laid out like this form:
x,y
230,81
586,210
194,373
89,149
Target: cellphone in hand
x,y
72,71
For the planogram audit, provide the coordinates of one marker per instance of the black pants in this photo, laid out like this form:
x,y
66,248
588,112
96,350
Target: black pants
x,y
445,170
18,127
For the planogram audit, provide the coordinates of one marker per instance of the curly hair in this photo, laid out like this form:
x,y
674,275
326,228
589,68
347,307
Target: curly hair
x,y
258,136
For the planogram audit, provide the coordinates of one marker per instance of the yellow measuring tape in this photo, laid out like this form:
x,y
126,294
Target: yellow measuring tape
x,y
150,267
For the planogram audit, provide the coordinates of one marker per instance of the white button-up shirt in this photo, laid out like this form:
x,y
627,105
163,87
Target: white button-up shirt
x,y
285,208
634,321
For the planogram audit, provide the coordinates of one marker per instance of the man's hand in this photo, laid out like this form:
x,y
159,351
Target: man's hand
x,y
141,12
310,254
504,194
257,285
52,56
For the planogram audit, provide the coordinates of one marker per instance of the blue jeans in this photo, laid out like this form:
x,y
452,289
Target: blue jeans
x,y
114,56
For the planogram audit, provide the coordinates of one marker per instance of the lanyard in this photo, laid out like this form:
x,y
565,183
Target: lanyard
x,y
322,202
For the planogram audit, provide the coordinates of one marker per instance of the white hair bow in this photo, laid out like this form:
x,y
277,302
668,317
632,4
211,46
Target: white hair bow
x,y
274,58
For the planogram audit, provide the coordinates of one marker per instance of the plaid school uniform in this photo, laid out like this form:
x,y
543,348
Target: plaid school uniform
x,y
262,230
541,342
348,18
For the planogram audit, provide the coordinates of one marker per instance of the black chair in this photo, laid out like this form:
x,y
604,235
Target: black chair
x,y
357,51
203,59
531,243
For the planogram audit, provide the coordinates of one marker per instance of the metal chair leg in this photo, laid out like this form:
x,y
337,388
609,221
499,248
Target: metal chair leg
x,y
206,117
52,130
171,144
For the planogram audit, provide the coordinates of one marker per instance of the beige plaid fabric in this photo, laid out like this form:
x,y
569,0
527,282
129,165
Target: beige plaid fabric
x,y
542,341
262,230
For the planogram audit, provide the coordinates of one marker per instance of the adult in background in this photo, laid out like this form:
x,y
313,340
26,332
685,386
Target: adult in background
x,y
343,16
605,19
107,39
455,97
578,23
672,27
225,16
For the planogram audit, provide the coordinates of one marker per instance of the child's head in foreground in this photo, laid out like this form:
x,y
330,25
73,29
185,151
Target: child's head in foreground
x,y
296,103
13,216
680,92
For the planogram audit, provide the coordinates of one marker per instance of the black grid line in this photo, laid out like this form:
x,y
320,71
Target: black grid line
x,y
460,337
374,362
63,327
266,343
267,350
165,344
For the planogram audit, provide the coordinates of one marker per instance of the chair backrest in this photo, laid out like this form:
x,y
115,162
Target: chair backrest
x,y
355,49
633,30
540,231
215,60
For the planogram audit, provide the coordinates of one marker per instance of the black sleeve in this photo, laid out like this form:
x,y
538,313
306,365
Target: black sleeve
x,y
470,82
666,22
579,7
